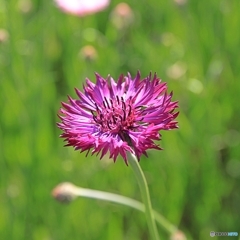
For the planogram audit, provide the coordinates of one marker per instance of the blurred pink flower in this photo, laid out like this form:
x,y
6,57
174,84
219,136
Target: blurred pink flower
x,y
118,116
82,7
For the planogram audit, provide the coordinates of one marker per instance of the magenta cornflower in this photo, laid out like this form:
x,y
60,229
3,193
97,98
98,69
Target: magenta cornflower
x,y
118,116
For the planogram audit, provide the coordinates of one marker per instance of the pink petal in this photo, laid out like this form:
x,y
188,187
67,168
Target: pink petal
x,y
82,7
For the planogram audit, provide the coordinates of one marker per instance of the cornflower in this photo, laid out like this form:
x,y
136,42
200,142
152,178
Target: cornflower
x,y
119,117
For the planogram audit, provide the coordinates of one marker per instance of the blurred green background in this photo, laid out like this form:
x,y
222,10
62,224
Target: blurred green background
x,y
44,54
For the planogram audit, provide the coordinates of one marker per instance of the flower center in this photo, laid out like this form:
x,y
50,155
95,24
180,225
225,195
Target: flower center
x,y
114,115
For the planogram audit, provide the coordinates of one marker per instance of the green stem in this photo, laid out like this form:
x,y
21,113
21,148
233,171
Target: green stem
x,y
116,198
145,195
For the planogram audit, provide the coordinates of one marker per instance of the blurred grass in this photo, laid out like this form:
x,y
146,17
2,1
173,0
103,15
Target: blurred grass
x,y
194,182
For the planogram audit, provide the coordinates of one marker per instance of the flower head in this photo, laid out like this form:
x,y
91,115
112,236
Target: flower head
x,y
118,116
82,7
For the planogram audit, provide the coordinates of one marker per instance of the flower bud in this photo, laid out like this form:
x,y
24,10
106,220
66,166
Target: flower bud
x,y
3,36
122,16
88,53
64,192
178,235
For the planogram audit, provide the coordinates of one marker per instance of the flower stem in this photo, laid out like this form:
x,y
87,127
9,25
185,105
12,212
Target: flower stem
x,y
66,192
145,195
116,198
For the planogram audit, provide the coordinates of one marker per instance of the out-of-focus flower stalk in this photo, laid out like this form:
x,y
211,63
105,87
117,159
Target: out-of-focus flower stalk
x,y
66,192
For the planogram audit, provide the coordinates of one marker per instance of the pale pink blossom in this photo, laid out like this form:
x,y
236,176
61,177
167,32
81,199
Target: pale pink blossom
x,y
82,7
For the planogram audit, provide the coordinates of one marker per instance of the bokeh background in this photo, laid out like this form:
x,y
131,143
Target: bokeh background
x,y
45,53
